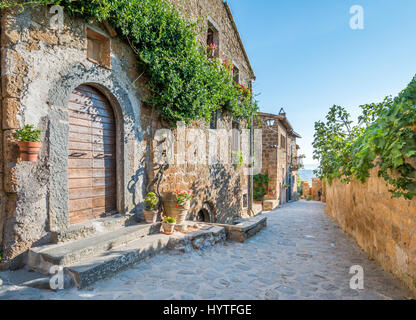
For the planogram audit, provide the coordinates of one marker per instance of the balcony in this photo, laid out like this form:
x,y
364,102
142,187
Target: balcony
x,y
296,162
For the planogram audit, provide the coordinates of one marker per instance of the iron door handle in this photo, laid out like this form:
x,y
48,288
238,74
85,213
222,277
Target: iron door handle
x,y
78,154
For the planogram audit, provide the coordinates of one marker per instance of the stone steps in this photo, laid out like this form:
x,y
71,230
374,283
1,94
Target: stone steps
x,y
113,261
88,260
41,259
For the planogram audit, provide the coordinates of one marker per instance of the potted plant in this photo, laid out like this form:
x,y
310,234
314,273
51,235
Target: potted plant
x,y
169,225
151,201
29,142
176,204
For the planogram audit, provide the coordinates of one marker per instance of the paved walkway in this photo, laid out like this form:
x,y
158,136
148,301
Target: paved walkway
x,y
302,254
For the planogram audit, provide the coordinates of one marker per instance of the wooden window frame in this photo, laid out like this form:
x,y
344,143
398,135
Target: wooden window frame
x,y
95,38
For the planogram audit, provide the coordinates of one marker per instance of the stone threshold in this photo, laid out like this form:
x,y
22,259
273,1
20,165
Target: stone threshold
x,y
93,227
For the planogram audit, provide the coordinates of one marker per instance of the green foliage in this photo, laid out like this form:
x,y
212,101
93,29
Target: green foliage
x,y
151,201
309,198
170,220
1,255
260,186
384,137
28,133
237,159
185,84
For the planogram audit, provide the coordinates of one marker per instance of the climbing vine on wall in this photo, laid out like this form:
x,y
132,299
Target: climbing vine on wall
x,y
185,84
383,137
260,186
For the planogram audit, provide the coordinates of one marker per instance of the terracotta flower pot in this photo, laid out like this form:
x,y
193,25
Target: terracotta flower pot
x,y
168,228
150,216
172,209
29,151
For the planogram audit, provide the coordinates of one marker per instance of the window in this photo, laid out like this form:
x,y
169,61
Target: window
x,y
98,48
282,141
236,74
213,42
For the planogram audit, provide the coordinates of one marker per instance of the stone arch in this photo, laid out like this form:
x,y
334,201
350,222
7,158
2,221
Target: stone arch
x,y
122,96
206,213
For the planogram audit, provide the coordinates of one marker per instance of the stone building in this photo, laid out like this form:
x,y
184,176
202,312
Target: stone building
x,y
316,189
279,158
93,171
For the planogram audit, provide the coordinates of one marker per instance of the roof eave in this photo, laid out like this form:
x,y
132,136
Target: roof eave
x,y
230,15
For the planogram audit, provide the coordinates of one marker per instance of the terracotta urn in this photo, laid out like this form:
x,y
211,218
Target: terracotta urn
x,y
168,228
29,151
172,209
150,216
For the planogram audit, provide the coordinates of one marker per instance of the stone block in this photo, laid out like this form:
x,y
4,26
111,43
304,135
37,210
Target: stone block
x,y
10,37
12,63
11,108
47,36
11,85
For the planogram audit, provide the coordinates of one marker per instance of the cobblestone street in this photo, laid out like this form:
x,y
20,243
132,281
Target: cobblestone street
x,y
302,254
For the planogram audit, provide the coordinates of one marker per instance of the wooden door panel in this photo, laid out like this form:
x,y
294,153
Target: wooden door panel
x,y
92,157
90,117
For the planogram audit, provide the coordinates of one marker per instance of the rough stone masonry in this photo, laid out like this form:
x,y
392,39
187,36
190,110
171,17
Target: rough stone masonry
x,y
40,69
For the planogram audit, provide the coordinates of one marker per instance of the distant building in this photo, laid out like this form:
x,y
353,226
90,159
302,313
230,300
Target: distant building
x,y
280,158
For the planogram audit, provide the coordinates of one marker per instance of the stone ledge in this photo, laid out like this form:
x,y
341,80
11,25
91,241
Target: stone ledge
x,y
207,236
270,205
242,231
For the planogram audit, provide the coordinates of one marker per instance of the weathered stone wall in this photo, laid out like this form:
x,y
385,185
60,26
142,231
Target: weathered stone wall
x,y
40,67
384,227
306,189
218,189
2,194
316,189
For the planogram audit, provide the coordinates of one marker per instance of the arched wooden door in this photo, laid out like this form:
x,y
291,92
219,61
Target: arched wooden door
x,y
92,156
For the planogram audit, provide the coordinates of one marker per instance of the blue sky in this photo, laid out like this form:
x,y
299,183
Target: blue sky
x,y
307,58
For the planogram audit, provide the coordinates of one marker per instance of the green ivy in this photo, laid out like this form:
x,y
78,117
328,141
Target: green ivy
x,y
260,186
185,84
384,137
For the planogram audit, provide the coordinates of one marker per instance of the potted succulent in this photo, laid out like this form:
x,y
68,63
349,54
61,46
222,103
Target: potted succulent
x,y
151,201
29,142
176,204
169,225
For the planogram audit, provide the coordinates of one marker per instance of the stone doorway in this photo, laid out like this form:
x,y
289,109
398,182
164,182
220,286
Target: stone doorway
x,y
91,156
